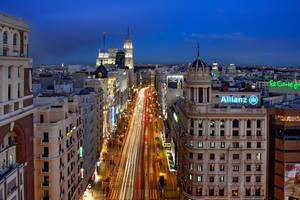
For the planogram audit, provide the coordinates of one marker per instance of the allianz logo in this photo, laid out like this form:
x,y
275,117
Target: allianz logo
x,y
253,99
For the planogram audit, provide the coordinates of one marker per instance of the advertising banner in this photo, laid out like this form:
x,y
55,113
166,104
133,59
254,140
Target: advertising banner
x,y
292,181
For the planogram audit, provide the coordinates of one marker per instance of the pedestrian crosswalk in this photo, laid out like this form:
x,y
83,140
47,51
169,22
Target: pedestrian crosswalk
x,y
154,194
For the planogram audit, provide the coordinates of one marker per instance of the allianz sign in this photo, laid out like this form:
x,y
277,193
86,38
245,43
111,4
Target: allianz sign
x,y
253,99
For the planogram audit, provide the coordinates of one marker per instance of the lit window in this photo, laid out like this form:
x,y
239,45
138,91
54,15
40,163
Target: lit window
x,y
191,177
199,178
222,124
200,144
258,156
212,145
191,166
222,156
222,145
200,168
221,179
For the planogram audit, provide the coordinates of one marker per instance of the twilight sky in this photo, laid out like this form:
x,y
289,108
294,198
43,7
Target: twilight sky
x,y
163,31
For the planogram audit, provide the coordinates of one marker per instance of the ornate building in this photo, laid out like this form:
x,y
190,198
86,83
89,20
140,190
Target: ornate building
x,y
110,56
16,111
222,145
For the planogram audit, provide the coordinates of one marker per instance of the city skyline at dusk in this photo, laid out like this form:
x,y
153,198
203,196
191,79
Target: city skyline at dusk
x,y
244,33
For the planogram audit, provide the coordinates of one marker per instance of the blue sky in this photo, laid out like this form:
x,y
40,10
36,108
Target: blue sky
x,y
244,32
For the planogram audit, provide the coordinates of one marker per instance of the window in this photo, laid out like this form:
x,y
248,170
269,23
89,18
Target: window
x,y
191,155
235,193
200,156
248,145
200,133
191,131
248,179
191,177
5,50
258,156
211,192
222,133
41,118
258,168
199,178
191,166
9,72
211,179
9,92
257,192
248,156
45,137
199,123
199,192
192,95
200,95
192,123
257,179
258,133
235,144
212,144
258,124
222,145
248,123
200,168
222,124
235,168
5,37
235,133
258,145
235,123
221,179
248,168
212,133
235,156
222,168
248,192
200,144
235,179
248,133
212,124
19,90
212,167
222,156
221,192
207,92
212,156
15,39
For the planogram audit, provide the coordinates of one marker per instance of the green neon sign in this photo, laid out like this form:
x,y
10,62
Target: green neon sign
x,y
294,84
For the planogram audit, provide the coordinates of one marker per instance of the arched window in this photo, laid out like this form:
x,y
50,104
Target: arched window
x,y
235,123
15,39
5,37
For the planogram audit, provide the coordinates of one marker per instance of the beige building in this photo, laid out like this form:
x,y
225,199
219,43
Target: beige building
x,y
16,111
58,147
222,141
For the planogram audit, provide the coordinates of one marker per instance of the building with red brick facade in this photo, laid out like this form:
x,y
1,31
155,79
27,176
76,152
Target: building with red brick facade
x,y
16,111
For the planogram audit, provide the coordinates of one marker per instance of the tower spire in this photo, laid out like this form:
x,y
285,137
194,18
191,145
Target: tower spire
x,y
128,33
198,47
104,34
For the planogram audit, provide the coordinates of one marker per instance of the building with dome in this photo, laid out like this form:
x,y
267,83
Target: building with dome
x,y
110,56
221,140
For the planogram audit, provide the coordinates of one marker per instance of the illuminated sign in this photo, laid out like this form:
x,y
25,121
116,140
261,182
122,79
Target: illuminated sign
x,y
291,181
295,85
253,99
71,131
112,116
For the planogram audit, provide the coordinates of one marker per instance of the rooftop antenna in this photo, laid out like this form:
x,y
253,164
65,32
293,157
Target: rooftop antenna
x,y
104,34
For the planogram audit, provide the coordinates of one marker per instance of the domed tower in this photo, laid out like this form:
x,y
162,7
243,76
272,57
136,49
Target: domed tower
x,y
128,49
198,83
101,71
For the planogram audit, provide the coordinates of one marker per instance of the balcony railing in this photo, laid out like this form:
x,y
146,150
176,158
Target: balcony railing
x,y
44,156
45,171
45,141
45,185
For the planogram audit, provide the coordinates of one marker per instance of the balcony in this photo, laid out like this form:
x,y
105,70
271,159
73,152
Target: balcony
x,y
44,156
45,171
45,185
45,141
